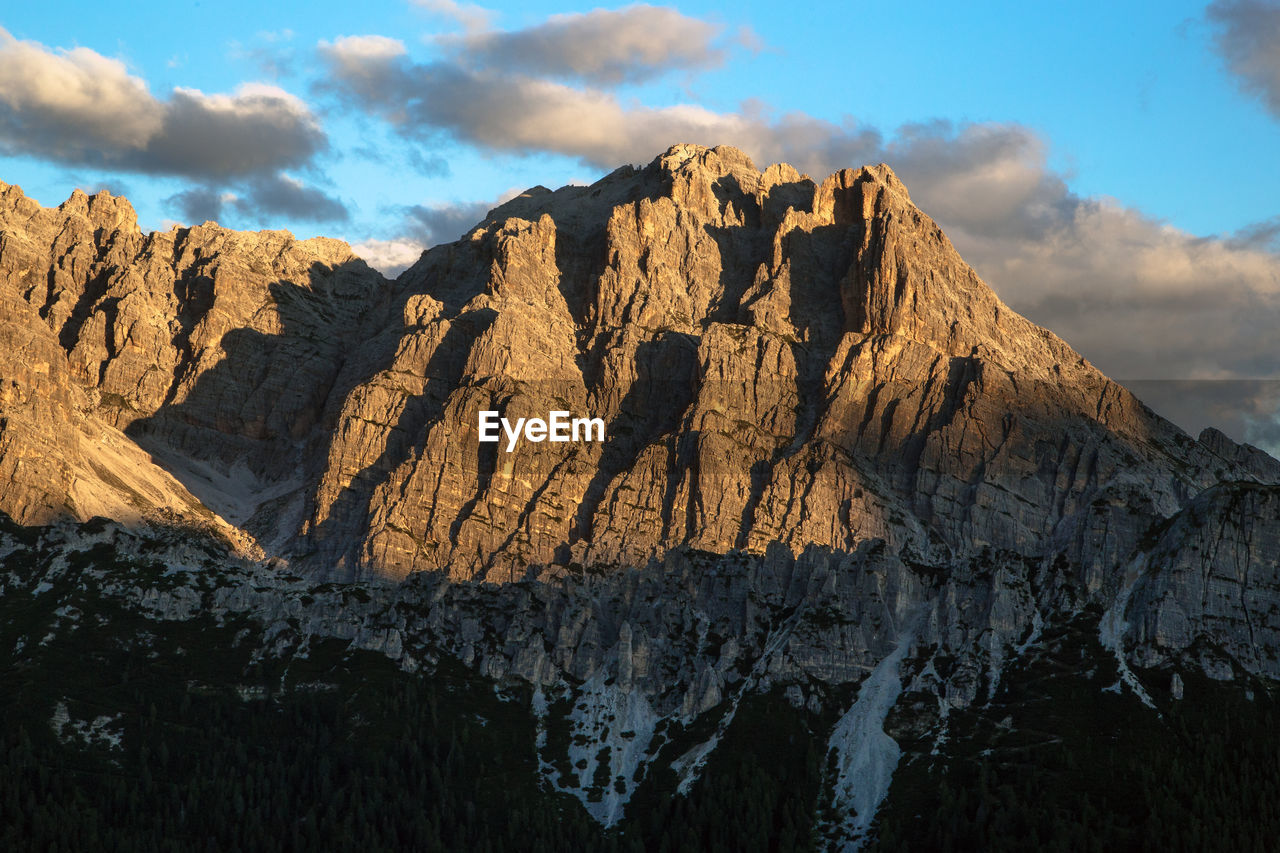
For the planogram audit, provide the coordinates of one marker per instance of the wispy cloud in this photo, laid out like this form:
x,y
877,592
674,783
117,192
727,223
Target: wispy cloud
x,y
271,52
603,47
467,15
1258,235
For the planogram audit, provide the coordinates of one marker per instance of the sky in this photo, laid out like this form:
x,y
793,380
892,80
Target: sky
x,y
1110,168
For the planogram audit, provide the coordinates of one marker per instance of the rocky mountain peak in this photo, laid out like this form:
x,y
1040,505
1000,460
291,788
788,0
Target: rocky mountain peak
x,y
102,210
840,491
1256,462
145,357
777,361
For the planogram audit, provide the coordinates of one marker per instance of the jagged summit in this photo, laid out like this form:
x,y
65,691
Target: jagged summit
x,y
723,186
779,362
114,337
829,369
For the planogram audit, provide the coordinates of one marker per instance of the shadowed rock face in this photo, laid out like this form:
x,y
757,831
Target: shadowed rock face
x,y
211,350
777,361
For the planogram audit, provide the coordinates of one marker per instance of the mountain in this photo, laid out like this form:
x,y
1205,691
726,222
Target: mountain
x,y
125,346
840,484
776,361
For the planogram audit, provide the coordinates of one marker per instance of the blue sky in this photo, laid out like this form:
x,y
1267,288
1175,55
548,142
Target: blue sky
x,y
1131,99
1110,168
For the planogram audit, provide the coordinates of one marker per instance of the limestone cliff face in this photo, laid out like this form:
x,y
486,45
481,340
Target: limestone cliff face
x,y
776,360
1209,583
1256,464
210,350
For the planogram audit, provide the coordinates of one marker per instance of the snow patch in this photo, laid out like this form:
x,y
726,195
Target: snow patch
x,y
998,659
609,730
1037,628
689,765
105,730
1112,628
927,680
865,756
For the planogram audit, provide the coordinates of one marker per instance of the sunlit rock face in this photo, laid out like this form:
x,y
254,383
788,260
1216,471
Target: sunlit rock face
x,y
776,360
174,374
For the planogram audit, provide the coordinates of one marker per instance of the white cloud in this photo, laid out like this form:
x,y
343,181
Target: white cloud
x,y
81,108
603,46
50,96
361,49
390,257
